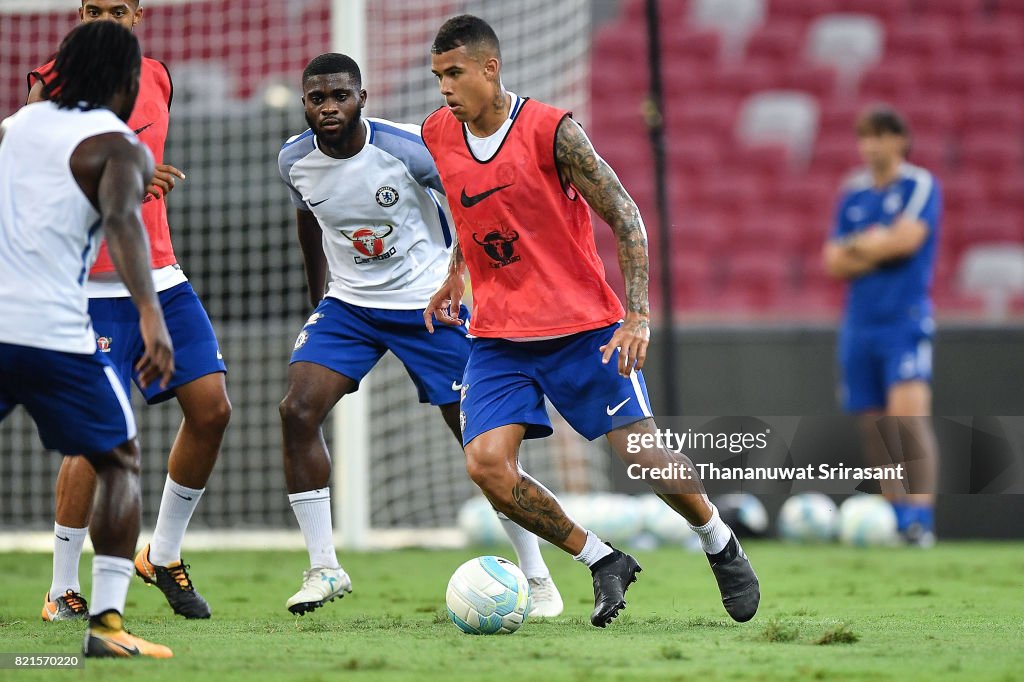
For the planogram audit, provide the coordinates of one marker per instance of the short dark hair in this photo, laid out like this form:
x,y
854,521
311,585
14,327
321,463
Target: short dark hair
x,y
136,3
881,119
95,61
333,62
465,29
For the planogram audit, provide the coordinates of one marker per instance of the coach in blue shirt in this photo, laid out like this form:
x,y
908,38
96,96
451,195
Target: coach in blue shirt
x,y
883,242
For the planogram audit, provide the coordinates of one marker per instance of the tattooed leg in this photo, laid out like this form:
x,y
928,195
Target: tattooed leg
x,y
492,460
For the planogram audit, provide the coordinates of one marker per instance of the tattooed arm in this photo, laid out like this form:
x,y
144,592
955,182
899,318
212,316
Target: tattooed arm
x,y
580,165
444,304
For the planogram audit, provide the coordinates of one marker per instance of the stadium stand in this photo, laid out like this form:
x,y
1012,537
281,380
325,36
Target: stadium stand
x,y
954,67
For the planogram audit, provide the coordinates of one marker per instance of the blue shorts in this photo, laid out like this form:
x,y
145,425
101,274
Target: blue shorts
x,y
351,339
76,401
873,359
506,382
196,352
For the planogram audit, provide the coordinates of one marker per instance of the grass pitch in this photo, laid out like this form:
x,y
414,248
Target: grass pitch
x,y
827,613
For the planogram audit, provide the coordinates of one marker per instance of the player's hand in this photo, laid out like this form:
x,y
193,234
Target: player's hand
x,y
164,178
157,362
446,303
632,339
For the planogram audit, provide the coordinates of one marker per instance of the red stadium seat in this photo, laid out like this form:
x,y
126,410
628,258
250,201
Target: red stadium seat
x,y
799,9
819,81
685,77
693,154
991,226
996,39
993,153
700,46
760,275
773,230
931,151
1008,78
835,156
709,115
762,162
889,10
619,42
925,38
964,192
892,80
960,10
1003,114
961,76
777,41
727,193
928,116
743,78
1007,191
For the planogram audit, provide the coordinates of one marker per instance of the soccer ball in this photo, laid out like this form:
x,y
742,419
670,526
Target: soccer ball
x,y
867,520
664,526
488,595
744,513
808,517
478,520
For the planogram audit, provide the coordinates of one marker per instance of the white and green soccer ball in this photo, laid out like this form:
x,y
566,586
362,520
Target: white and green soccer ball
x,y
867,521
488,595
808,518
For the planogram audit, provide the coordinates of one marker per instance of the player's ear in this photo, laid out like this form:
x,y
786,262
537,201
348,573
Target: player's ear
x,y
138,16
362,98
491,67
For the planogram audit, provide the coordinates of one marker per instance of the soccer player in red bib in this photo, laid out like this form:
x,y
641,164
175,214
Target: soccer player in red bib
x,y
198,381
521,176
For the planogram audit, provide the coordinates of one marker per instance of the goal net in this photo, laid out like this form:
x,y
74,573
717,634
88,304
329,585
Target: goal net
x,y
235,66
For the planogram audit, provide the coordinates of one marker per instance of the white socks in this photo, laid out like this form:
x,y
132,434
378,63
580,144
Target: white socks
x,y
714,535
176,507
67,550
527,547
313,512
593,551
110,578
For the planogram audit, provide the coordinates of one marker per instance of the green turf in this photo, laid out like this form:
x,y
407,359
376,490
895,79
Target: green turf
x,y
833,613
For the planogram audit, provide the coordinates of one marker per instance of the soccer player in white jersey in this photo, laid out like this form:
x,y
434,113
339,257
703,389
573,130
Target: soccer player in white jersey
x,y
376,236
68,167
198,384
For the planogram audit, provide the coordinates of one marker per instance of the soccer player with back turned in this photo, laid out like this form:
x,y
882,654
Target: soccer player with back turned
x,y
69,168
375,234
522,176
883,242
198,382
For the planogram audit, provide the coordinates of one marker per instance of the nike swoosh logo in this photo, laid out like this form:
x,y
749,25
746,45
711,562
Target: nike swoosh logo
x,y
128,651
471,201
456,386
317,203
63,538
613,410
143,128
181,496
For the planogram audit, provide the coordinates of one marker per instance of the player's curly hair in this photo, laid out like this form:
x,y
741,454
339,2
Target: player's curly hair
x,y
468,30
333,62
95,61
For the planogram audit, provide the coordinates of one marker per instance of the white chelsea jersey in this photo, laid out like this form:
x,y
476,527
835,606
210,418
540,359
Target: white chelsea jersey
x,y
387,229
49,231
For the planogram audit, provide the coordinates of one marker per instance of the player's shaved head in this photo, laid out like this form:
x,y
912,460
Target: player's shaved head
x,y
333,62
467,30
